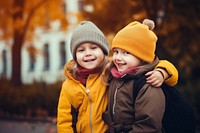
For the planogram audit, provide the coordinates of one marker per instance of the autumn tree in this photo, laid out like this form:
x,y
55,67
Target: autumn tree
x,y
179,36
109,15
18,20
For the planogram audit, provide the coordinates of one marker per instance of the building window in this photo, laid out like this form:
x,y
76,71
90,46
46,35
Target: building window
x,y
62,54
80,5
32,52
46,56
64,7
4,57
32,61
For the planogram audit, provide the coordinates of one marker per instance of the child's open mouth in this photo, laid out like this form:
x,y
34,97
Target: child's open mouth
x,y
89,60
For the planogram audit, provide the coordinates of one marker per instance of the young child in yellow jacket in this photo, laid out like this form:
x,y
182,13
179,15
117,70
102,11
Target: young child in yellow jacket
x,y
84,90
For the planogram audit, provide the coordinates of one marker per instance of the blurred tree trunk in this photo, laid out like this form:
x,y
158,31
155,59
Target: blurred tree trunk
x,y
18,40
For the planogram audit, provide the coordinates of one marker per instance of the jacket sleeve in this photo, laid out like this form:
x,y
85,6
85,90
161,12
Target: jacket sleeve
x,y
64,117
149,110
171,70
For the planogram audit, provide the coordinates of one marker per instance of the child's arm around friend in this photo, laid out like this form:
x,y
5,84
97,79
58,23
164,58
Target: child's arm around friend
x,y
163,72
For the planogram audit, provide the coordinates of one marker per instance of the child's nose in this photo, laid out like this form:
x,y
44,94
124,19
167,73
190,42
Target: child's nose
x,y
118,57
88,52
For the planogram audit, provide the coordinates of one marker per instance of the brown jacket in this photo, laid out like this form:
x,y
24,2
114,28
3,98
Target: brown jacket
x,y
144,115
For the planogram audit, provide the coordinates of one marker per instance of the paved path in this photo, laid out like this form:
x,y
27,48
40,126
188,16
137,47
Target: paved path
x,y
14,126
29,126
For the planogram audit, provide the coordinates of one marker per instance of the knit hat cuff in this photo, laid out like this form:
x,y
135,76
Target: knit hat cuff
x,y
92,37
139,50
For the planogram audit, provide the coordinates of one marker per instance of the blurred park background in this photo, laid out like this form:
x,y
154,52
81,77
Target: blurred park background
x,y
34,46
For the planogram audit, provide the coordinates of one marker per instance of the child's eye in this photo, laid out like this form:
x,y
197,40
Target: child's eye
x,y
115,51
93,47
125,52
80,50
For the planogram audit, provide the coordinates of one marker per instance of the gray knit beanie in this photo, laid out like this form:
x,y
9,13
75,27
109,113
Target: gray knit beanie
x,y
87,31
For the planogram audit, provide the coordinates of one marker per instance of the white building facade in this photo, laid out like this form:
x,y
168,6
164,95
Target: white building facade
x,y
53,51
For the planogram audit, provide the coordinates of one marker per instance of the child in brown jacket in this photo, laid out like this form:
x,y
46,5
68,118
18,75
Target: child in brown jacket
x,y
134,48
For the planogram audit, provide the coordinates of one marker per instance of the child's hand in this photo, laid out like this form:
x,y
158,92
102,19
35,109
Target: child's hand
x,y
155,78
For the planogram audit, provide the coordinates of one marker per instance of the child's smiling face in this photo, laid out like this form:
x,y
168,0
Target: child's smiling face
x,y
89,55
124,60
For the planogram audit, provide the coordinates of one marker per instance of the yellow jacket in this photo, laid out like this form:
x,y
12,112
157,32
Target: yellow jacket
x,y
91,101
171,70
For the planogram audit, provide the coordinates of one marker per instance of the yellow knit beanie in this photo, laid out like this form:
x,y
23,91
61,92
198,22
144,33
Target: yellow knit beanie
x,y
137,39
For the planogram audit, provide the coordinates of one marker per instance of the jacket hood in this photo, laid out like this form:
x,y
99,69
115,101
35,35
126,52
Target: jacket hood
x,y
68,69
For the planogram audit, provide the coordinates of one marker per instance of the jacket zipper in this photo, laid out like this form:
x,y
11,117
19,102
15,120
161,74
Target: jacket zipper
x,y
88,95
115,97
115,94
